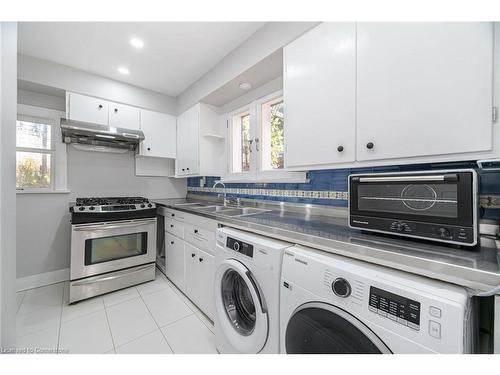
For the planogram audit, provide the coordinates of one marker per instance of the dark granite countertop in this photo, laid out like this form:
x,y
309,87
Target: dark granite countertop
x,y
477,268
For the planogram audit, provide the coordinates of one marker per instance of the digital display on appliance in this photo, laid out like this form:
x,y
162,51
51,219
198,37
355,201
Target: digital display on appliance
x,y
240,247
395,305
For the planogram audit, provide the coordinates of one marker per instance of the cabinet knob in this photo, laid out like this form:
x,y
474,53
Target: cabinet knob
x,y
183,169
340,148
149,148
173,215
369,145
171,225
187,169
196,231
116,110
171,242
99,106
193,255
201,259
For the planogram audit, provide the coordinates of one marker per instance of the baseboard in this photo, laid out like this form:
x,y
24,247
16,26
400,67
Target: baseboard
x,y
42,279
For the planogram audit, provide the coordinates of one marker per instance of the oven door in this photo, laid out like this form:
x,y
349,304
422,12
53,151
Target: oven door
x,y
105,247
435,204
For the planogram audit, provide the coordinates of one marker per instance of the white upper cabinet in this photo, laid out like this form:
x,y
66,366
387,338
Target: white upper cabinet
x,y
87,109
319,96
124,116
422,89
200,147
187,162
160,135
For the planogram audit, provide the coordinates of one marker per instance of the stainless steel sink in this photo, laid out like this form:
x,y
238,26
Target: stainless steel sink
x,y
244,211
213,209
190,205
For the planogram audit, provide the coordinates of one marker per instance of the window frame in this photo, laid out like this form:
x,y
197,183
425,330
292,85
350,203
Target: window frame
x,y
256,173
58,159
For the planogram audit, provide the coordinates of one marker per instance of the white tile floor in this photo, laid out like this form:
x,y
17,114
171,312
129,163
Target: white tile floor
x,y
154,317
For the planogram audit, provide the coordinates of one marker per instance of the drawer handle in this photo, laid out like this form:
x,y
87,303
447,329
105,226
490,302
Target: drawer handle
x,y
201,259
193,255
171,225
171,242
196,231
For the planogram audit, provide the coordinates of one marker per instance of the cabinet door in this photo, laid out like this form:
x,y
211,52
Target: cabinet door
x,y
206,267
174,260
319,96
423,89
188,142
192,273
160,134
88,109
124,116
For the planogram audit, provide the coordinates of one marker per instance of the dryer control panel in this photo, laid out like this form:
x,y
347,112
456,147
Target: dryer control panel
x,y
240,247
403,310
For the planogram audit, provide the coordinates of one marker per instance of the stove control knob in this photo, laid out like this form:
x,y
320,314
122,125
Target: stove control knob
x,y
236,246
92,208
150,205
443,232
81,208
142,205
341,287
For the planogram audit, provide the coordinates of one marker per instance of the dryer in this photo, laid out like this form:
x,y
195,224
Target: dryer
x,y
333,304
247,286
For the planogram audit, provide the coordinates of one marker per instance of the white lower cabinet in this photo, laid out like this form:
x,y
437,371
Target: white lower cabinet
x,y
174,260
189,261
200,278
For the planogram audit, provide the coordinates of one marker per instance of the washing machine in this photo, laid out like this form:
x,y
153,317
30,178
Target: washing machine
x,y
247,287
332,304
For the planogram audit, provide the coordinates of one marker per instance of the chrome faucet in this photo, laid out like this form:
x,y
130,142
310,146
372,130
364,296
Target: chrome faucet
x,y
227,201
224,186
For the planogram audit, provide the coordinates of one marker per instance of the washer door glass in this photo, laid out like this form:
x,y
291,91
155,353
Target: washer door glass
x,y
238,302
326,329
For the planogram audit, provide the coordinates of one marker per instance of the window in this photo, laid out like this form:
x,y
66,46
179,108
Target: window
x,y
257,143
241,139
273,138
40,164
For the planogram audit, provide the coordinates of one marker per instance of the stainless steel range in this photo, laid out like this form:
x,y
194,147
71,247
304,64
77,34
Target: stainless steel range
x,y
113,244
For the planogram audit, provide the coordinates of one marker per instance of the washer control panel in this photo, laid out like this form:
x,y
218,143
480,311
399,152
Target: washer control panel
x,y
240,247
400,309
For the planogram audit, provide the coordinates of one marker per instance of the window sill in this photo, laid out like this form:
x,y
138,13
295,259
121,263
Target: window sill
x,y
43,192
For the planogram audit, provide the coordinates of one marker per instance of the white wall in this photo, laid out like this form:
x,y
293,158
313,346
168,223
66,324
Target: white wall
x,y
8,88
51,74
256,93
272,36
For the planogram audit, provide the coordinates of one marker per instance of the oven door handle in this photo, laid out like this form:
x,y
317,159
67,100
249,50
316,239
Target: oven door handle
x,y
114,226
116,275
449,177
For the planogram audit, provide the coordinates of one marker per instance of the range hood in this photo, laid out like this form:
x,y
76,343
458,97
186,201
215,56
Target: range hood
x,y
100,137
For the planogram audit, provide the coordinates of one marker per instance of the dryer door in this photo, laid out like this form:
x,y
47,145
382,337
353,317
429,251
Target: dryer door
x,y
239,307
320,328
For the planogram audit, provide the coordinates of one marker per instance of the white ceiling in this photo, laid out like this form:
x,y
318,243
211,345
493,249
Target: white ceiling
x,y
175,54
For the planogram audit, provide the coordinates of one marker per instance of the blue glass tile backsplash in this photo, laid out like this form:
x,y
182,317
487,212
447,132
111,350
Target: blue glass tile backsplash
x,y
329,187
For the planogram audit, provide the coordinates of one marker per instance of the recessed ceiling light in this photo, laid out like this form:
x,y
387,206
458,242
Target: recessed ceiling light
x,y
123,70
137,43
245,86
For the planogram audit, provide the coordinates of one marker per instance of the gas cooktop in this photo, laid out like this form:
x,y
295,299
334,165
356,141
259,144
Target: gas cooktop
x,y
111,208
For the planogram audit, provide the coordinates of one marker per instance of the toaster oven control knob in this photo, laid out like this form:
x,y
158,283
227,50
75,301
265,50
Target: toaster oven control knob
x,y
443,232
341,287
